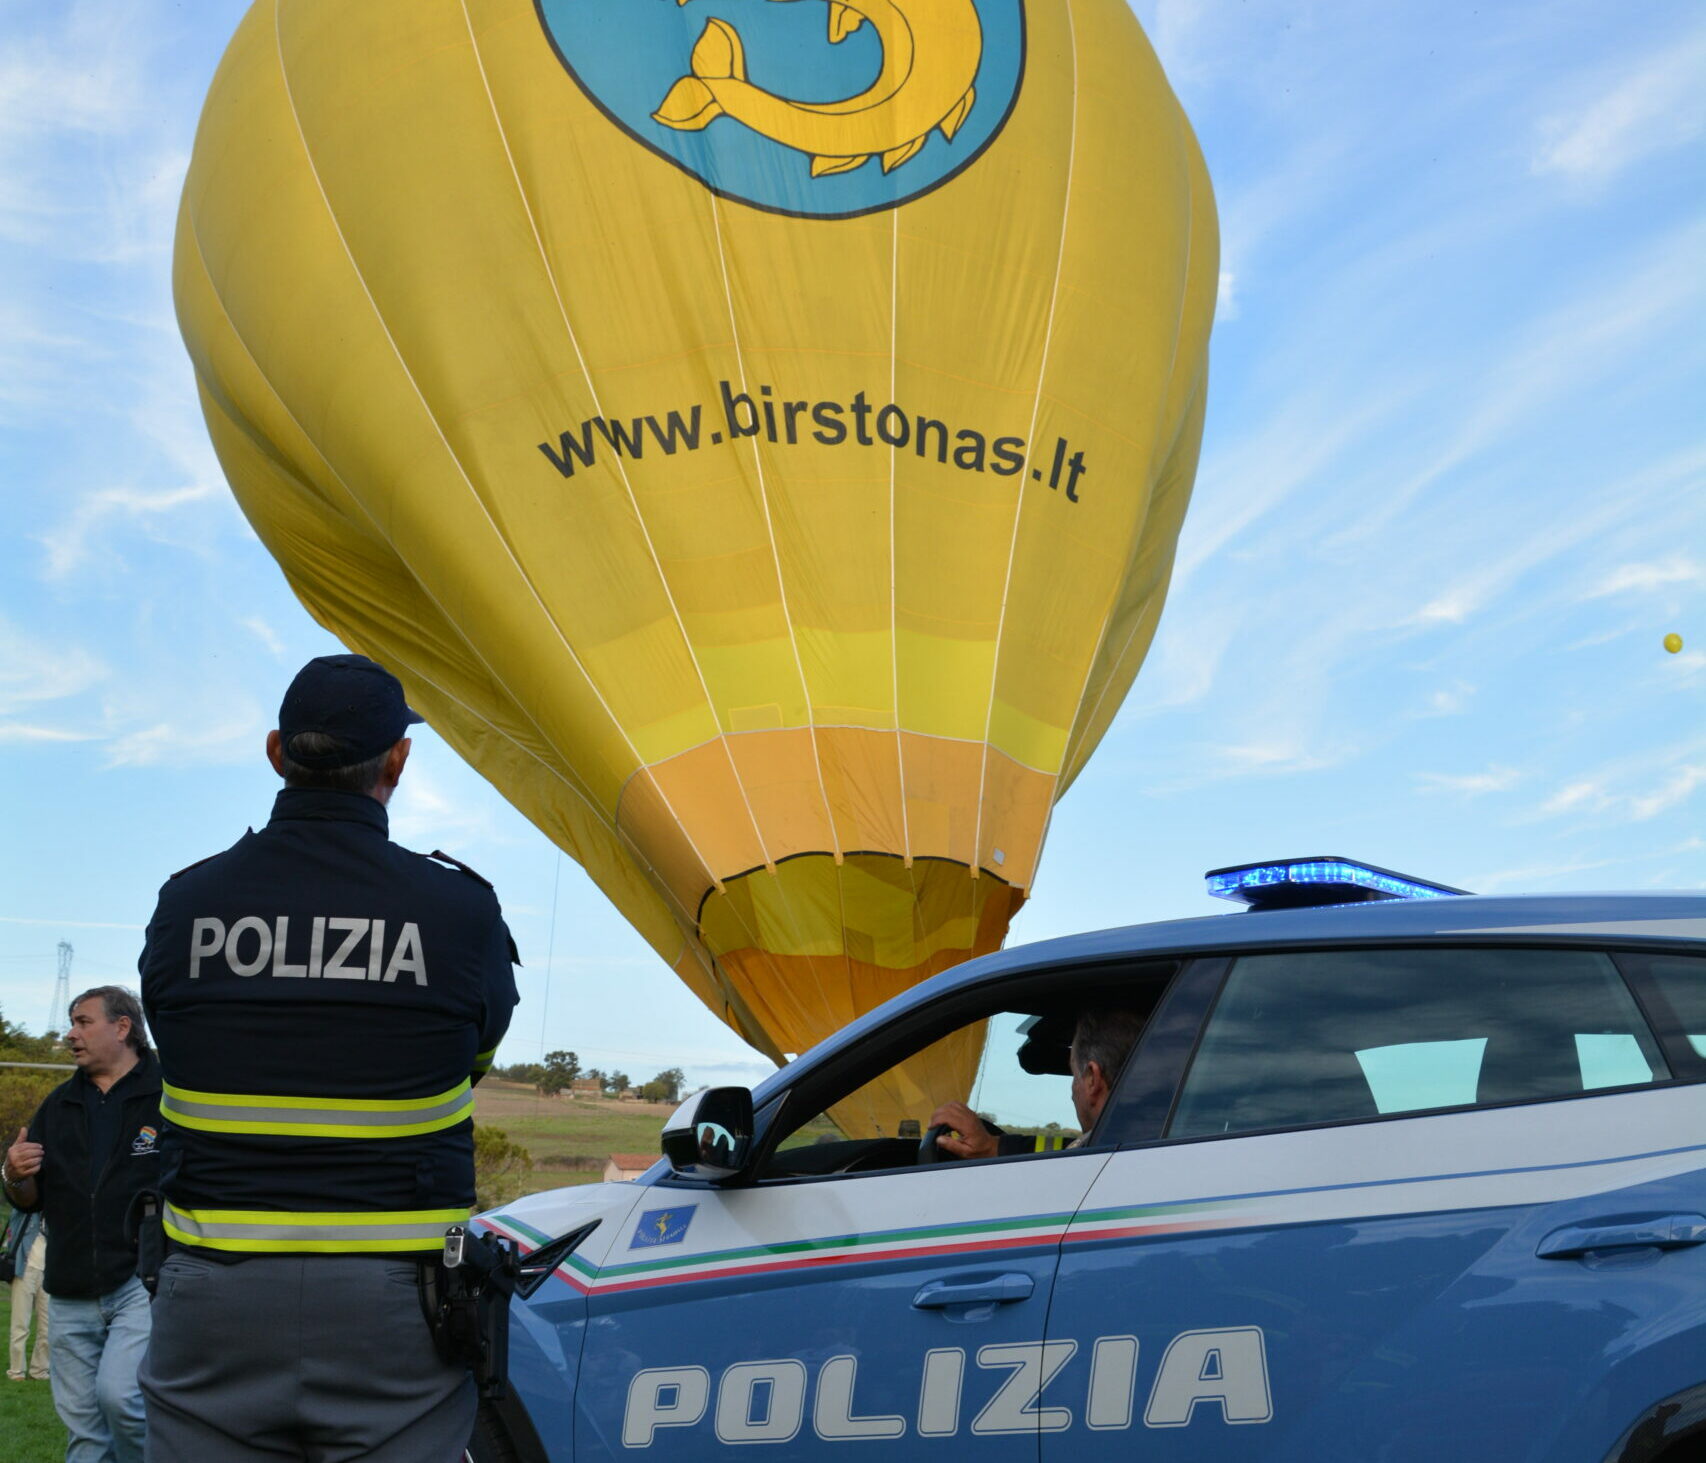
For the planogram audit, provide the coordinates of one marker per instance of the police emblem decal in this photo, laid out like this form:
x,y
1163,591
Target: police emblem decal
x,y
825,109
662,1227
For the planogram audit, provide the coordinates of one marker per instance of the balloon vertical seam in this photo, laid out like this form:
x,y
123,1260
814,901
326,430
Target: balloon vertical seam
x,y
1030,439
894,570
793,640
775,553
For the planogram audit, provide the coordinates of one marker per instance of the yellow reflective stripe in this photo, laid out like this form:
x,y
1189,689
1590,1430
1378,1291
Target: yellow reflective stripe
x,y
311,1247
362,1231
343,1104
316,1117
483,1060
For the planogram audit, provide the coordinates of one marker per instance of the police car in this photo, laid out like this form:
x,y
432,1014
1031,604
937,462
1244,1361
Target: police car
x,y
1393,1174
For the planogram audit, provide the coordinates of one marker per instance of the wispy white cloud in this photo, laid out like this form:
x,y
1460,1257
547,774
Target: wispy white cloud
x,y
1226,297
1180,670
1559,357
35,671
75,78
264,633
20,731
68,545
1514,557
1676,789
1633,789
1242,482
226,737
1276,756
1583,794
438,811
1450,700
1535,876
1494,779
1653,105
1641,578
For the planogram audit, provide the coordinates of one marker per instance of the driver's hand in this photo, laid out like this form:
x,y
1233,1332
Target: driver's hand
x,y
970,1139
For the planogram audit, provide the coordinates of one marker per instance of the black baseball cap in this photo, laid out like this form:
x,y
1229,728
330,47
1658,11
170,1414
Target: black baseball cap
x,y
348,697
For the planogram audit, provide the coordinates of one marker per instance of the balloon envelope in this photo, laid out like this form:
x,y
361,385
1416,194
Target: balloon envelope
x,y
756,434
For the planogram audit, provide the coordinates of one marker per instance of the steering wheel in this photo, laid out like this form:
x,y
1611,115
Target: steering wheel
x,y
928,1152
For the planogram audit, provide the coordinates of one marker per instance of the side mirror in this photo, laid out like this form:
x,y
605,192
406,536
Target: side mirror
x,y
710,1135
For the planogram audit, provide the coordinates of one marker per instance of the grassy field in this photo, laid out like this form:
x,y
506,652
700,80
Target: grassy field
x,y
30,1430
568,1137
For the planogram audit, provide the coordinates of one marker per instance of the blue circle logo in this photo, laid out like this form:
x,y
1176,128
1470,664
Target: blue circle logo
x,y
815,108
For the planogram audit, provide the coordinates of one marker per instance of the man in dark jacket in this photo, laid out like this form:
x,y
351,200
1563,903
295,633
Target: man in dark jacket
x,y
92,1147
323,1001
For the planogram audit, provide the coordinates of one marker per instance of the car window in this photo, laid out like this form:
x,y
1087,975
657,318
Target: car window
x,y
863,1131
1682,980
1303,1038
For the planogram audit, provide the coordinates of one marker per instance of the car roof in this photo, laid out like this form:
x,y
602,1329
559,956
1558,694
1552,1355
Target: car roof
x,y
1655,919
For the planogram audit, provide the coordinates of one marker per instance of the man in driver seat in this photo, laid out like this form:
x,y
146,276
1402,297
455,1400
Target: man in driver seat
x,y
1101,1041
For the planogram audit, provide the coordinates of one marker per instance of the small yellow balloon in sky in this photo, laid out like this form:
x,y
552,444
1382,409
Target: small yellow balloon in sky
x,y
1673,642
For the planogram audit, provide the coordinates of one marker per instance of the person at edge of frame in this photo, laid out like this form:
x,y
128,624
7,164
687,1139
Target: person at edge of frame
x,y
91,1149
26,1248
323,1000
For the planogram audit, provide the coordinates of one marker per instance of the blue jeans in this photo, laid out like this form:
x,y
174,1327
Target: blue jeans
x,y
97,1348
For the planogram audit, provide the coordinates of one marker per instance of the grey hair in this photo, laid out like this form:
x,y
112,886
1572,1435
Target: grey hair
x,y
116,1001
1105,1035
363,777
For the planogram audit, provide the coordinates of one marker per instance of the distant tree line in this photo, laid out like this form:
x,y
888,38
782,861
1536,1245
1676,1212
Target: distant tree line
x,y
559,1071
22,1090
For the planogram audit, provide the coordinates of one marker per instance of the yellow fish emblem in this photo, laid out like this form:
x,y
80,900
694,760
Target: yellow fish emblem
x,y
931,52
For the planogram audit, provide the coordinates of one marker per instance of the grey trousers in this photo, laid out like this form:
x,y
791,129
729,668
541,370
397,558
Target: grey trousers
x,y
311,1358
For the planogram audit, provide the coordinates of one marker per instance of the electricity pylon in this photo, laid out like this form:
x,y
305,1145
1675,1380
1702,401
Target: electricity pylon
x,y
58,1019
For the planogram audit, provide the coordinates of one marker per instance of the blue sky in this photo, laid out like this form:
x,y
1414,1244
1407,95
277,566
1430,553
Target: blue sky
x,y
1451,499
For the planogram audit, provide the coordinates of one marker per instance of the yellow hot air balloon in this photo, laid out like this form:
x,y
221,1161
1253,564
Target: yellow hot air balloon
x,y
756,434
1673,642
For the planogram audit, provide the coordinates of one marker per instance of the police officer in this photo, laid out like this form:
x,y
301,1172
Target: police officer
x,y
322,1001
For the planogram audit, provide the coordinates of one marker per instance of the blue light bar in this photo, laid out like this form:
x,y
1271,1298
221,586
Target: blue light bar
x,y
1301,883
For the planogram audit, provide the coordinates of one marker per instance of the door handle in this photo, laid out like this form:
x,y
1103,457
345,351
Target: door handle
x,y
1648,1231
985,1290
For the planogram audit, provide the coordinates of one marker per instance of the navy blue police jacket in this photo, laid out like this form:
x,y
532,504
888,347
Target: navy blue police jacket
x,y
322,1001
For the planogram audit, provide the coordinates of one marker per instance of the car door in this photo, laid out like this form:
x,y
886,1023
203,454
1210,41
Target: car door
x,y
904,1305
1318,1263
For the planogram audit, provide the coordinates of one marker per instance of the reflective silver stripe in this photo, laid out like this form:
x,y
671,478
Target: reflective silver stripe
x,y
441,1114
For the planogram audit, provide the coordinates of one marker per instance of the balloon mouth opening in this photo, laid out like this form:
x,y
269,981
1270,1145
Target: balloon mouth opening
x,y
941,861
